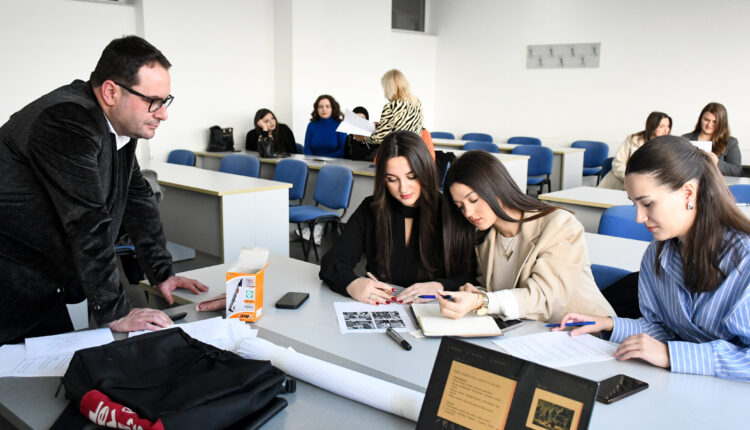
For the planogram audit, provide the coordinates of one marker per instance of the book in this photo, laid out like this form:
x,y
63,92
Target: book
x,y
470,325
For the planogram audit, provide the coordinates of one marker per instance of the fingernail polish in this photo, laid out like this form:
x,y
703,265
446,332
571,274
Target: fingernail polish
x,y
377,303
387,302
393,289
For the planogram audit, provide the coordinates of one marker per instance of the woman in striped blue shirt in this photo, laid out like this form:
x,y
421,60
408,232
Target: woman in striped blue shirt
x,y
694,285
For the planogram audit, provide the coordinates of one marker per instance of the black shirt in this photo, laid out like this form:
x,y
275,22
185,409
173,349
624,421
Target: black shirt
x,y
337,266
283,140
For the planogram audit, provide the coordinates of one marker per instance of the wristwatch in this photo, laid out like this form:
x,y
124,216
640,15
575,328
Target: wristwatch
x,y
485,305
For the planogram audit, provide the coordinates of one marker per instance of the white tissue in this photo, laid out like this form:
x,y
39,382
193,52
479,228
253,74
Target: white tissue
x,y
251,260
353,385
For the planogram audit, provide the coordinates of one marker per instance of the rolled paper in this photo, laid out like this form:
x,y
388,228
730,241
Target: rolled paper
x,y
356,386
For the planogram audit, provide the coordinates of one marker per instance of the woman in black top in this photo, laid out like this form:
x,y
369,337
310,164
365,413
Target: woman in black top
x,y
266,125
398,229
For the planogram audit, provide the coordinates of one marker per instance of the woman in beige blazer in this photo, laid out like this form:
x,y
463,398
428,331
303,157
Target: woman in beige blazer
x,y
657,124
532,257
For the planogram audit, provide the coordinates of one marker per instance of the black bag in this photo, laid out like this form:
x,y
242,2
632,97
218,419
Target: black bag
x,y
220,139
171,379
266,147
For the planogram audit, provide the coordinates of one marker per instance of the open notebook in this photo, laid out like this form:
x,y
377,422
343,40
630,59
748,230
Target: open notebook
x,y
433,324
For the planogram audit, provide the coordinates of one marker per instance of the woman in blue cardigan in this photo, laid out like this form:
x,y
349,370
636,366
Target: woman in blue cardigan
x,y
321,137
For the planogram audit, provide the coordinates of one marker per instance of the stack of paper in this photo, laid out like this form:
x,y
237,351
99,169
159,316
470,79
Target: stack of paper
x,y
558,349
219,332
355,124
434,324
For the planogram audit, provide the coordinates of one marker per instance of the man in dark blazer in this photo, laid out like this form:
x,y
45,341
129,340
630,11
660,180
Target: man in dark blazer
x,y
70,180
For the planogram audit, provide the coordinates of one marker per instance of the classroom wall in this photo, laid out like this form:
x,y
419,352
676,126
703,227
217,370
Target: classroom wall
x,y
671,55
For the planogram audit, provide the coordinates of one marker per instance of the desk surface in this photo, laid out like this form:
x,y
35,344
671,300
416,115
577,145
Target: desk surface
x,y
588,196
208,181
458,143
314,162
734,180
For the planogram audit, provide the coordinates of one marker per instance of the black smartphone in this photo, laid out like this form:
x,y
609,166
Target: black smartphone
x,y
292,300
506,325
618,387
178,316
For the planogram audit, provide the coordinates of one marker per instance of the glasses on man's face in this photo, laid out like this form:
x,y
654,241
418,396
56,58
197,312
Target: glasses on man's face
x,y
154,104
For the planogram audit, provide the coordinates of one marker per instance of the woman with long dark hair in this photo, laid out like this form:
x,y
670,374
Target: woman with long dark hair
x,y
321,137
657,124
267,127
694,285
398,229
532,257
713,125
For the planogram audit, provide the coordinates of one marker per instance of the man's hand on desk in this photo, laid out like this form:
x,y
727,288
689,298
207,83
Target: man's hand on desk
x,y
141,319
170,284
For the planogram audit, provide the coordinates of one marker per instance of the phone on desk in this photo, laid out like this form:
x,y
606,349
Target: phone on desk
x,y
618,387
291,300
506,325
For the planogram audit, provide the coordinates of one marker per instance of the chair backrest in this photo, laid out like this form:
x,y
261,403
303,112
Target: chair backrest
x,y
607,166
293,172
604,276
484,146
481,137
741,192
540,162
181,156
596,152
241,164
334,187
300,148
523,140
442,135
620,221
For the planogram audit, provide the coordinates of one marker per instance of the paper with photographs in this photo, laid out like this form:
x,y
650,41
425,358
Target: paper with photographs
x,y
356,317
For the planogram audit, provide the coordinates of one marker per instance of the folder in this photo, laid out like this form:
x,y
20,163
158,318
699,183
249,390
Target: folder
x,y
470,325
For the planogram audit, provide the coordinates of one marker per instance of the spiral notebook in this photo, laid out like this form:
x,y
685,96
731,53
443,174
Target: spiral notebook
x,y
433,324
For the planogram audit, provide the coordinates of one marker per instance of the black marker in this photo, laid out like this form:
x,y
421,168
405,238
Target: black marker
x,y
397,337
177,316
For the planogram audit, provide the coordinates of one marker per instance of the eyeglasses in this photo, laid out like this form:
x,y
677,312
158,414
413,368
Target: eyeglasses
x,y
154,104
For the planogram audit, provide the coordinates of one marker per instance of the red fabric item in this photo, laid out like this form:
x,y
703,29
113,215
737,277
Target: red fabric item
x,y
101,410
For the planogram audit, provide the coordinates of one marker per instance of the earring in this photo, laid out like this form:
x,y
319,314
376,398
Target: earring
x,y
690,206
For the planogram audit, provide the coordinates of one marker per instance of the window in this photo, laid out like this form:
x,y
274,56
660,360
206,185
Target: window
x,y
407,15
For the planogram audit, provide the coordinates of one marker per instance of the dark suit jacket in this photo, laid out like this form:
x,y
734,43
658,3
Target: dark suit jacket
x,y
730,162
65,192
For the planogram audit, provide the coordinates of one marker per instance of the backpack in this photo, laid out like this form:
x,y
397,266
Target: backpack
x,y
220,139
168,380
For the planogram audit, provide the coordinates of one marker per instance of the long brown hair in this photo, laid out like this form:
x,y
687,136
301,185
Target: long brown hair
x,y
335,108
720,138
412,147
652,123
486,176
673,161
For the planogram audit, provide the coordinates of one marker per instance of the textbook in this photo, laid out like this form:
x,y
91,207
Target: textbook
x,y
470,325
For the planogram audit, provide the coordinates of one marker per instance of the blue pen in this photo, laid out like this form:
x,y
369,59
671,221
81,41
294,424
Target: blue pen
x,y
572,324
432,297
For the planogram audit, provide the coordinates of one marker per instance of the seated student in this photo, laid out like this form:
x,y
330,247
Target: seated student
x,y
532,257
357,149
266,126
713,125
321,137
397,229
694,286
657,124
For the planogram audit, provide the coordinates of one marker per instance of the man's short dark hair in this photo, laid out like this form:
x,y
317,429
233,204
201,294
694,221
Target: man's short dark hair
x,y
122,58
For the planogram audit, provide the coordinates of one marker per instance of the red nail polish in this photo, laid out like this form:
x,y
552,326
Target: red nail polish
x,y
377,303
393,289
387,302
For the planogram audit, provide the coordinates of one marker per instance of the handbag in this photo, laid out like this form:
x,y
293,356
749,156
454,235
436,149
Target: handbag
x,y
220,139
266,147
168,380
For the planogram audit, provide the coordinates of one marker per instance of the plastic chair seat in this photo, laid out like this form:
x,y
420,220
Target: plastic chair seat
x,y
591,171
480,137
482,146
620,221
308,213
442,135
604,276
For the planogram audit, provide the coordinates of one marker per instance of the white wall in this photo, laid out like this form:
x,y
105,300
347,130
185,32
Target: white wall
x,y
48,43
670,55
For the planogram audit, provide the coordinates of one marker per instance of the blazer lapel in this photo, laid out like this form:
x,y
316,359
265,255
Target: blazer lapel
x,y
530,232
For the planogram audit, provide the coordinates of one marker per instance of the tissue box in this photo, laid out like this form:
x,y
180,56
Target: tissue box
x,y
245,295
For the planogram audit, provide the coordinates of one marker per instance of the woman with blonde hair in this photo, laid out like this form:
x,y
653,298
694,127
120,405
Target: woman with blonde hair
x,y
713,125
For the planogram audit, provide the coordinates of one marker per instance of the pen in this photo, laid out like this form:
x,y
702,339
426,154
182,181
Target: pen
x,y
397,338
572,324
430,296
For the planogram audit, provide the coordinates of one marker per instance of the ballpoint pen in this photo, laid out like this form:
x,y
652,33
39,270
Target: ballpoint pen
x,y
432,297
397,338
572,324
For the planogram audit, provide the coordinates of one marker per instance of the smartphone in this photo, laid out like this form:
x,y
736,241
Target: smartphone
x,y
618,387
292,300
506,325
177,316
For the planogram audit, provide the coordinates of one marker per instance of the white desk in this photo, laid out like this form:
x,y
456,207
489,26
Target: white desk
x,y
567,164
587,203
616,251
364,172
734,180
219,213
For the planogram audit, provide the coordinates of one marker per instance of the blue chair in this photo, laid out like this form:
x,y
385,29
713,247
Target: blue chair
x,y
300,148
620,221
483,146
181,156
523,140
293,172
442,135
593,158
540,165
241,164
332,190
607,166
741,192
604,276
481,137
